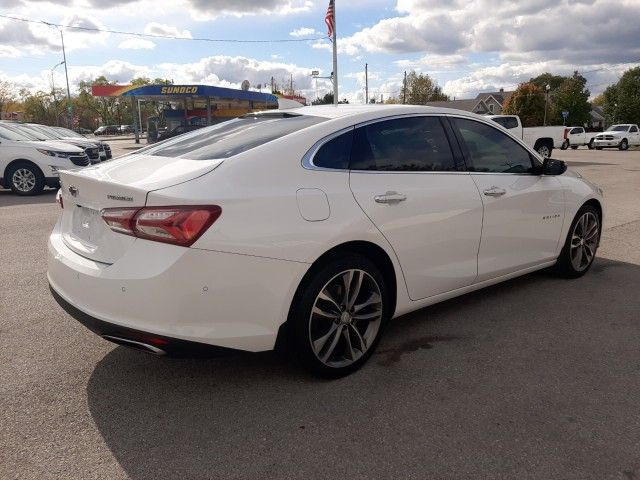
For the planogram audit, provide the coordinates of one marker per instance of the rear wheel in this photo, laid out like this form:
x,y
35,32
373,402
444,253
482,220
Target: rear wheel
x,y
25,178
565,145
581,244
624,144
598,148
574,147
338,319
544,150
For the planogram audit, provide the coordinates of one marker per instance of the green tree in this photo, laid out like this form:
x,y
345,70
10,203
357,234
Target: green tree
x,y
622,100
420,89
572,96
554,81
528,103
327,100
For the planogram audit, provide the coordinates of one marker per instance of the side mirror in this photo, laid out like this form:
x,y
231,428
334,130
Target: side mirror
x,y
553,167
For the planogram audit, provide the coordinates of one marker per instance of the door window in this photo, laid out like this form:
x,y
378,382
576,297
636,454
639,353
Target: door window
x,y
576,130
412,144
506,122
490,150
634,129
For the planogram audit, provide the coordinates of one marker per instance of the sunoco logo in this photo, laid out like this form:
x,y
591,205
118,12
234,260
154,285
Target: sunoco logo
x,y
174,90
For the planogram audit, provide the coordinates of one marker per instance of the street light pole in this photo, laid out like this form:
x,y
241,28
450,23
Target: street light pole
x,y
546,100
53,89
66,74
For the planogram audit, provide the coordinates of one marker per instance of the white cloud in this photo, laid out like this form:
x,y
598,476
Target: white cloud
x,y
303,32
136,44
155,28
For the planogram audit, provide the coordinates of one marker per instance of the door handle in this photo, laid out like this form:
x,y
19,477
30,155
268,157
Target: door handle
x,y
390,198
494,192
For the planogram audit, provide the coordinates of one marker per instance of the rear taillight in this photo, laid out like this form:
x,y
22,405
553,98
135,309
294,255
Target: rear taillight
x,y
180,225
59,200
566,133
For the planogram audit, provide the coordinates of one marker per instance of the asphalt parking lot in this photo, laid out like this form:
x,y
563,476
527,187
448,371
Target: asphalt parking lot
x,y
536,378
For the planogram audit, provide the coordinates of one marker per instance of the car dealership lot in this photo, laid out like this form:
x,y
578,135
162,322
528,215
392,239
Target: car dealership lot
x,y
534,378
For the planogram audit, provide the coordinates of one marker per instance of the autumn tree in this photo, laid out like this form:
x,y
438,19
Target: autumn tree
x,y
528,103
420,89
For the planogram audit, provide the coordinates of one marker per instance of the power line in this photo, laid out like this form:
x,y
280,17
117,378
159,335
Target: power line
x,y
166,37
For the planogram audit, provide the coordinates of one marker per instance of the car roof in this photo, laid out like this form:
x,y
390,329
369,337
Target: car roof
x,y
362,113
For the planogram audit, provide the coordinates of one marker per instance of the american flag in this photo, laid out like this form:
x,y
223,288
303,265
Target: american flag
x,y
330,18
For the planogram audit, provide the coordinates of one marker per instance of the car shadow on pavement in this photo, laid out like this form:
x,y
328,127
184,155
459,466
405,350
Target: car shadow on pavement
x,y
10,199
510,381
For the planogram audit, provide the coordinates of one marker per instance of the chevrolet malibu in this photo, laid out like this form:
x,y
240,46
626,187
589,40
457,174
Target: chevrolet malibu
x,y
310,229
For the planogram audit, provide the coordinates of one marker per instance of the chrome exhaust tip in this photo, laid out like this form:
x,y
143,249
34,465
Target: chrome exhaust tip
x,y
126,342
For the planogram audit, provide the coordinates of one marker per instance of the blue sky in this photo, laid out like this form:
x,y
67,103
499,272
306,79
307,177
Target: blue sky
x,y
467,46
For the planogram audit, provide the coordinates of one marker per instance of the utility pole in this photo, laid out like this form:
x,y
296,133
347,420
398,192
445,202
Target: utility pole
x,y
291,87
272,85
404,89
546,100
66,73
366,83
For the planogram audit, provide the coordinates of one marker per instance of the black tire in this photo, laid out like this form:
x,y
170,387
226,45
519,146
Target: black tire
x,y
590,144
598,148
574,147
302,322
565,266
565,145
624,144
25,178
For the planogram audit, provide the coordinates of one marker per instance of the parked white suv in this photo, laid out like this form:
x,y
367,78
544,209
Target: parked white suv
x,y
620,136
27,166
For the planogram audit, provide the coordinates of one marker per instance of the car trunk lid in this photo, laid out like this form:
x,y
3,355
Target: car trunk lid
x,y
125,183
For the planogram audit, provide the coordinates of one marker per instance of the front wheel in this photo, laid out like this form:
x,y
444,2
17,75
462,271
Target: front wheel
x,y
338,317
24,178
581,244
574,147
624,144
590,144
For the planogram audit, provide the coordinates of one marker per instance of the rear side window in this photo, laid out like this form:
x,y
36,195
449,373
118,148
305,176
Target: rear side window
x,y
412,144
490,150
506,122
230,138
633,129
335,153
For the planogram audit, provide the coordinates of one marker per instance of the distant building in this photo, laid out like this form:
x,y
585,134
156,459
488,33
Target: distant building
x,y
487,103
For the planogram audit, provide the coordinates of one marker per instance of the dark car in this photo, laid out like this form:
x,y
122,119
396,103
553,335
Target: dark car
x,y
179,130
107,130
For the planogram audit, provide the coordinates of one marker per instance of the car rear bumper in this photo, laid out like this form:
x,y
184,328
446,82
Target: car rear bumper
x,y
181,294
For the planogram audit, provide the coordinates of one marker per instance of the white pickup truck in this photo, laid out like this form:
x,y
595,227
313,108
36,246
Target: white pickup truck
x,y
621,136
542,139
578,136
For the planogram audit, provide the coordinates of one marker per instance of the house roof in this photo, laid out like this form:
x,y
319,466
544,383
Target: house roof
x,y
501,97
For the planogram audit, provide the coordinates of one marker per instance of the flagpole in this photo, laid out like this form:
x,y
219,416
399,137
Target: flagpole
x,y
335,59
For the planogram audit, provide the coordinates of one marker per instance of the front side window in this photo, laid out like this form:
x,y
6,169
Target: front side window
x,y
412,144
489,150
230,138
577,130
633,129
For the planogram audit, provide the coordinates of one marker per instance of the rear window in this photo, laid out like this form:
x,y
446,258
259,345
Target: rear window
x,y
230,138
506,122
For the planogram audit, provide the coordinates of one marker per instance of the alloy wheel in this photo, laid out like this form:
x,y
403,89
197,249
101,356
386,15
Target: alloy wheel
x,y
584,241
345,318
24,180
544,151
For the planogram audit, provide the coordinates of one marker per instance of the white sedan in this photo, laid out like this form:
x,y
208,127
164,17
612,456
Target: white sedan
x,y
310,229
